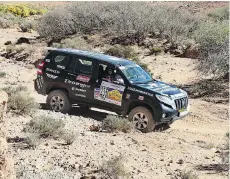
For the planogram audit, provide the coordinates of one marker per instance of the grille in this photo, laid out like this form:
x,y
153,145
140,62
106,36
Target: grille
x,y
181,103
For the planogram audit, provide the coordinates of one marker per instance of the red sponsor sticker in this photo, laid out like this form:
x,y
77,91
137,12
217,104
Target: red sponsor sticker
x,y
83,78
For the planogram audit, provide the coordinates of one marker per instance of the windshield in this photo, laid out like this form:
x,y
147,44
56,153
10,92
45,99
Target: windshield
x,y
135,74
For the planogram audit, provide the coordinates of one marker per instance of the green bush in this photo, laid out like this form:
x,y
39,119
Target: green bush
x,y
220,14
23,10
114,123
45,126
75,43
213,38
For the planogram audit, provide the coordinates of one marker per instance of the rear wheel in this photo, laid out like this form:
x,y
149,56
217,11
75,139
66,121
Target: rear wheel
x,y
142,119
58,101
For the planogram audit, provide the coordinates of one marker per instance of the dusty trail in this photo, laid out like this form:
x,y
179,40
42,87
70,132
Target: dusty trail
x,y
192,141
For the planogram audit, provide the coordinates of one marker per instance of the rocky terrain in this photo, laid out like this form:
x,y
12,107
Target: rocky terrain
x,y
191,144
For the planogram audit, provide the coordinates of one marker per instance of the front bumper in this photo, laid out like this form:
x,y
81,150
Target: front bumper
x,y
172,115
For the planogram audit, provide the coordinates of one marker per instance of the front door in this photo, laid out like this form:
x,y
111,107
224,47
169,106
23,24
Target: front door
x,y
108,92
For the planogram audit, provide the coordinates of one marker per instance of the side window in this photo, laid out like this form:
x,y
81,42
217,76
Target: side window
x,y
61,61
84,67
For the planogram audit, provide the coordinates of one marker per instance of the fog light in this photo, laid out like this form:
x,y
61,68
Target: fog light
x,y
164,115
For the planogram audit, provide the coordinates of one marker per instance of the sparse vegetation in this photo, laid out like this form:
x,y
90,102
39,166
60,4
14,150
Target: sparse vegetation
x,y
114,169
20,102
114,123
2,74
45,126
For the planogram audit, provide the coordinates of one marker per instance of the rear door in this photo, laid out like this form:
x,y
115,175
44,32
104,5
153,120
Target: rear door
x,y
79,78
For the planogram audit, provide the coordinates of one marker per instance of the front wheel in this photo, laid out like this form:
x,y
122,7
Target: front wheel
x,y
58,101
142,118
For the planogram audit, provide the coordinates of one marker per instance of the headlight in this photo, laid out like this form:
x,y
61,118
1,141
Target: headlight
x,y
184,92
166,100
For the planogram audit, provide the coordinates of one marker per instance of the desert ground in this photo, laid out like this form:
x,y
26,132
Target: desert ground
x,y
190,144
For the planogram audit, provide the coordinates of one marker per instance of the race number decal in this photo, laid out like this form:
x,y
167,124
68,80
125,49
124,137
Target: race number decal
x,y
109,92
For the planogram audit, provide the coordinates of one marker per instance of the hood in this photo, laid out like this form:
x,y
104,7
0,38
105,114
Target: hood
x,y
159,87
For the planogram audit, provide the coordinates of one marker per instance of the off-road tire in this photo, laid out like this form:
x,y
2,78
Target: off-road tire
x,y
63,95
150,124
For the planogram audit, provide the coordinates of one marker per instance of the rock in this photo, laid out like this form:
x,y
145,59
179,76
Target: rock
x,y
170,161
112,142
94,128
8,42
180,161
23,40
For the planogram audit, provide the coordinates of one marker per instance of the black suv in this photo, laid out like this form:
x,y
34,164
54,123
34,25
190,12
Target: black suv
x,y
90,79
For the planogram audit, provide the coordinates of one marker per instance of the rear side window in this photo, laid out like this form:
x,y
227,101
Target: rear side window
x,y
84,67
61,61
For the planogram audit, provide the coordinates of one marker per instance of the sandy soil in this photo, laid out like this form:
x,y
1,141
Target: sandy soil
x,y
190,142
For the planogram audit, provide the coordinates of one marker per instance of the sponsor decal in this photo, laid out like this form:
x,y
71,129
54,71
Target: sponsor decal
x,y
78,89
83,78
38,84
109,92
76,83
62,67
81,95
51,70
139,91
51,76
47,60
141,98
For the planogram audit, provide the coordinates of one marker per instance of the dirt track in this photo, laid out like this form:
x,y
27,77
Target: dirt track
x,y
190,142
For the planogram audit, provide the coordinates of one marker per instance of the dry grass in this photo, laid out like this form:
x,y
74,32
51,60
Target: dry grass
x,y
20,102
114,169
114,123
32,140
45,126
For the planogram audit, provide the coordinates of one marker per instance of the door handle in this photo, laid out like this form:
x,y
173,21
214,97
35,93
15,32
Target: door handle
x,y
71,74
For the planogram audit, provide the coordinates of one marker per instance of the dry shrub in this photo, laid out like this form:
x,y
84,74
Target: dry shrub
x,y
69,137
45,126
121,19
2,74
75,43
20,102
32,140
114,169
114,123
213,38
